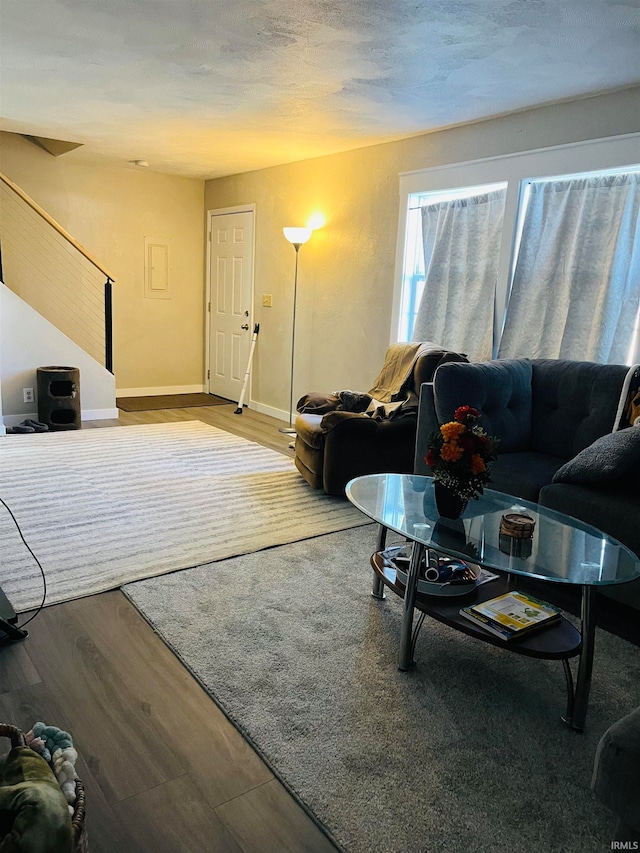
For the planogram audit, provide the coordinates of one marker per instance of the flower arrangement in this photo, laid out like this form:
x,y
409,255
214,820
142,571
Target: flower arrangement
x,y
460,453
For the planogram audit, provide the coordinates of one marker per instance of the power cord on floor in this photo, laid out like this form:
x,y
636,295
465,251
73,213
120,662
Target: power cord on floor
x,y
44,579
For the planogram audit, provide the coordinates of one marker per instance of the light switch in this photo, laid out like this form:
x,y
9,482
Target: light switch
x,y
267,300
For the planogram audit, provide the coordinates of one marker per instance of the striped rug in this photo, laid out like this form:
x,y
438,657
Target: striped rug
x,y
104,507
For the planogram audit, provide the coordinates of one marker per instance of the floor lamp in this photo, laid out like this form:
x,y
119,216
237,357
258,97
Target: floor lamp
x,y
296,236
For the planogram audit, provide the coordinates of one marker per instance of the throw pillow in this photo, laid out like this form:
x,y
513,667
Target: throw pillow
x,y
608,458
317,404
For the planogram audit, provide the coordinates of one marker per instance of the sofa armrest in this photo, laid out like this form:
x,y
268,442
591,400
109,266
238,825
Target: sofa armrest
x,y
616,782
335,419
313,429
427,424
360,445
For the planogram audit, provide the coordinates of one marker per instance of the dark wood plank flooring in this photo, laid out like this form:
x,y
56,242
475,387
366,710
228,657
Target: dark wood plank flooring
x,y
164,770
251,425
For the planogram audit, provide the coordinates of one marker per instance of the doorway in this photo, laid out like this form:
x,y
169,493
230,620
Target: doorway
x,y
230,292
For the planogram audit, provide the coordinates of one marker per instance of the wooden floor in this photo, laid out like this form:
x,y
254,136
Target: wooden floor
x,y
249,424
164,770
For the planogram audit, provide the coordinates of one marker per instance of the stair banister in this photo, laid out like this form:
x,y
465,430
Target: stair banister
x,y
108,315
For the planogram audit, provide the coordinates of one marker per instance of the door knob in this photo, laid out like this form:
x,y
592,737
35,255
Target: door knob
x,y
244,326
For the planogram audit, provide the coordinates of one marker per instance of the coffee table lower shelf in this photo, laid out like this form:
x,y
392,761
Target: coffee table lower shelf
x,y
560,641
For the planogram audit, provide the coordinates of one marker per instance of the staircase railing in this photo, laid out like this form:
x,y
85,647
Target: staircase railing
x,y
55,274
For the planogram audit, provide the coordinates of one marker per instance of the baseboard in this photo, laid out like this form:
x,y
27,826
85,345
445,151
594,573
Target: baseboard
x,y
157,391
85,415
14,420
269,410
99,414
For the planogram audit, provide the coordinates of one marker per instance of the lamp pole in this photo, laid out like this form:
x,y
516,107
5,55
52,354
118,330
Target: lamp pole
x,y
296,236
291,430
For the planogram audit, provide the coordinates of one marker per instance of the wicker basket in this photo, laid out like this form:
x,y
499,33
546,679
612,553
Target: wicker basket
x,y
77,821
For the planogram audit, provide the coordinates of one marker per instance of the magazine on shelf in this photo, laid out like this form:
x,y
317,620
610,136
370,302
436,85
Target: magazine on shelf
x,y
487,624
511,615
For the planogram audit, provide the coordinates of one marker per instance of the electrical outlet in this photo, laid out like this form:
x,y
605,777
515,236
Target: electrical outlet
x,y
27,393
267,300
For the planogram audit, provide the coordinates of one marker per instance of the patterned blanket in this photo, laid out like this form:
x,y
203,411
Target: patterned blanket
x,y
628,413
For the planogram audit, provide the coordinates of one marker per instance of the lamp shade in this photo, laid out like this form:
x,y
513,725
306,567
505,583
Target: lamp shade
x,y
297,235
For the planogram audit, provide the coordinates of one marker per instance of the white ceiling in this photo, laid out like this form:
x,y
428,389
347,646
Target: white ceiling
x,y
212,87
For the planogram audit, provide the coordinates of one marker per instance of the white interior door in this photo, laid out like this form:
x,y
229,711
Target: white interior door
x,y
231,277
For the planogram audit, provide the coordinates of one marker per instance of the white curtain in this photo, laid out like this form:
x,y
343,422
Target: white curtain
x,y
576,286
461,252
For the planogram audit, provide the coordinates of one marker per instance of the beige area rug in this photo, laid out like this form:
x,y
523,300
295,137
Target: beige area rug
x,y
104,507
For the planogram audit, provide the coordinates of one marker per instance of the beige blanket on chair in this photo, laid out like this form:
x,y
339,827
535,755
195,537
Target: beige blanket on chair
x,y
389,391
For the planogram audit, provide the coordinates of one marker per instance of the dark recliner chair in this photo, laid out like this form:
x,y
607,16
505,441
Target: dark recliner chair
x,y
335,446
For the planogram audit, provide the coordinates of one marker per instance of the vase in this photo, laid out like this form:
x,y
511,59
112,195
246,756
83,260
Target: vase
x,y
448,503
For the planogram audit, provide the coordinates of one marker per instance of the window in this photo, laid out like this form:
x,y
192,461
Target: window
x,y
566,271
575,289
413,273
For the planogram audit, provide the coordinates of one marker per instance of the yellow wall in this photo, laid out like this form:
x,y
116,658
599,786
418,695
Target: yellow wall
x,y
110,211
346,272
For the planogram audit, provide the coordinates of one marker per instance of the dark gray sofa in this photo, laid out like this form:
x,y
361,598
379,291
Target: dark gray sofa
x,y
546,413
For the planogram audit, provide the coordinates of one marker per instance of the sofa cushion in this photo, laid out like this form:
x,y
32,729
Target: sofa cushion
x,y
574,403
523,474
614,508
603,506
608,458
500,390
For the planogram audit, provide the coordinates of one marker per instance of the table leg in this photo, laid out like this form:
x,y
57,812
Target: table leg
x,y
406,656
583,683
378,585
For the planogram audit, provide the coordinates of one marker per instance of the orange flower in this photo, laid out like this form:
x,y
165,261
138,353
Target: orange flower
x,y
477,464
452,430
451,451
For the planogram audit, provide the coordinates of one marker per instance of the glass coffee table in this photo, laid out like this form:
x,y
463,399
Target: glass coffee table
x,y
563,550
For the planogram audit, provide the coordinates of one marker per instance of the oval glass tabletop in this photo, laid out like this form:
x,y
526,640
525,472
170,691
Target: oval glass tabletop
x,y
563,549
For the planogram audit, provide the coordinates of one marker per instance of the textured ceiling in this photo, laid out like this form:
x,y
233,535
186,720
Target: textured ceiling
x,y
213,87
